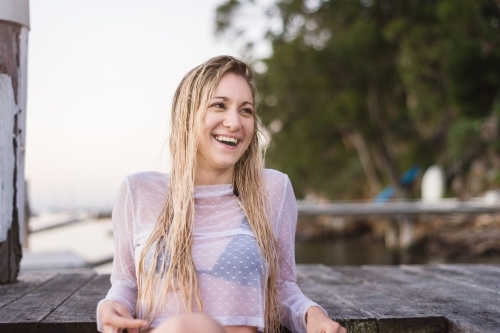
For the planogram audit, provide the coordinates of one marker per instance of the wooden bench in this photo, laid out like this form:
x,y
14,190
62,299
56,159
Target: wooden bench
x,y
375,299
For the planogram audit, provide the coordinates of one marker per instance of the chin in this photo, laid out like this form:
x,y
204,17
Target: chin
x,y
227,161
227,165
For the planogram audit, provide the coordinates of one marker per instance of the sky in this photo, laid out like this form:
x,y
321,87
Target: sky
x,y
101,75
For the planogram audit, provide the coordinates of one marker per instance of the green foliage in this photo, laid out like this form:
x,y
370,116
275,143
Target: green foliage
x,y
462,133
357,91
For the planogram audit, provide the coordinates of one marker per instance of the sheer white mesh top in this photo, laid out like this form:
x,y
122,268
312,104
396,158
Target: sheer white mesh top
x,y
225,251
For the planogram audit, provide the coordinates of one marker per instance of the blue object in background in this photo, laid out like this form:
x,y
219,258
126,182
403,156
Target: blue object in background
x,y
409,176
385,194
406,180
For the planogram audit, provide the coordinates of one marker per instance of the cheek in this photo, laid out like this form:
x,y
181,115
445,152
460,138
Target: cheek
x,y
209,121
250,128
250,133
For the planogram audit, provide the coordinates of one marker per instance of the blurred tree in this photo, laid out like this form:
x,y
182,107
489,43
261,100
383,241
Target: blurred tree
x,y
357,91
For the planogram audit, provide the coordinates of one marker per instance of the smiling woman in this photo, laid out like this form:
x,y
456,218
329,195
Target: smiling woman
x,y
210,246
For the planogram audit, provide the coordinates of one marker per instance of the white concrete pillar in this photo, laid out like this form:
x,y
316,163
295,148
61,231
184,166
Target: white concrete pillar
x,y
14,27
391,236
406,232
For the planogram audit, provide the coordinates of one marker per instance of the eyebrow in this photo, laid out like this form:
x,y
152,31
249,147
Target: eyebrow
x,y
226,99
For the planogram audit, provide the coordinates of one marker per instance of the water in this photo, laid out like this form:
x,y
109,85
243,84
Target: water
x,y
76,238
342,252
356,251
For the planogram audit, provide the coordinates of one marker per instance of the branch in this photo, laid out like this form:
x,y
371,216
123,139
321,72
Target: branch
x,y
366,161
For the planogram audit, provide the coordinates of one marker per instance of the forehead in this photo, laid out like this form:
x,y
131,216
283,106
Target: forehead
x,y
233,85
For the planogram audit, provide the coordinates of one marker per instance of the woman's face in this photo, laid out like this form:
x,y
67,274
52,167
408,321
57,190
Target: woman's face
x,y
228,125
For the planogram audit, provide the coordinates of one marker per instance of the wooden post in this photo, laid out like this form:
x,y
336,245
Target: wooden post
x,y
406,231
391,236
14,26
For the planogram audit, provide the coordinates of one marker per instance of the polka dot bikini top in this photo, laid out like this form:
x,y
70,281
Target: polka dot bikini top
x,y
227,258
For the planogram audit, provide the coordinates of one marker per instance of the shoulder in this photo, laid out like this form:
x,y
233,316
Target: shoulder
x,y
147,181
147,176
278,186
281,198
275,180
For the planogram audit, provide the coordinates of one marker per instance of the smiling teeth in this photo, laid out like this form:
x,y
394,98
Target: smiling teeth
x,y
226,139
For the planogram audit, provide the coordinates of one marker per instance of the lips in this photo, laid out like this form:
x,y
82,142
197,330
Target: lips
x,y
226,140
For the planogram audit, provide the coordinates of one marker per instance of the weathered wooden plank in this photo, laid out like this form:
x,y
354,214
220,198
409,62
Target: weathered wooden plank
x,y
364,299
24,314
495,268
392,314
85,301
13,87
341,310
476,268
27,282
473,276
468,310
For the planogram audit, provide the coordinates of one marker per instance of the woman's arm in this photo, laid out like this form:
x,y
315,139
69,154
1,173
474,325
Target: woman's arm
x,y
301,314
117,309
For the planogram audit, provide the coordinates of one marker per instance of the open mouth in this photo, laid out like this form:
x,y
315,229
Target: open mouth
x,y
226,140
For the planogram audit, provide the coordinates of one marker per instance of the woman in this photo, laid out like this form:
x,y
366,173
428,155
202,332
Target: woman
x,y
216,235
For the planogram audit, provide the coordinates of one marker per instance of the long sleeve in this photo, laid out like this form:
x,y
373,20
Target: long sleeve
x,y
123,278
294,302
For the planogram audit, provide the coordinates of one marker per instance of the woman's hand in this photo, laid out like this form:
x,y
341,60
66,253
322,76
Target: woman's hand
x,y
116,317
318,322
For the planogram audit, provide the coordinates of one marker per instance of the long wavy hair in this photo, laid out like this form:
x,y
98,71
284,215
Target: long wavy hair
x,y
172,236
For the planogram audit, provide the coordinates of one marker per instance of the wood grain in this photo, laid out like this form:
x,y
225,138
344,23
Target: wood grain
x,y
25,313
364,299
78,312
470,276
467,309
353,318
26,283
389,312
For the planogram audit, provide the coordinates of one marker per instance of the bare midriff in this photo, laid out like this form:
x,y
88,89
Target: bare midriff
x,y
240,329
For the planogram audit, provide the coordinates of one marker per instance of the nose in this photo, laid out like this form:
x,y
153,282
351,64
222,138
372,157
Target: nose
x,y
231,120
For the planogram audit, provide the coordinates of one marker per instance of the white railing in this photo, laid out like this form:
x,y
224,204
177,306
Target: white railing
x,y
445,206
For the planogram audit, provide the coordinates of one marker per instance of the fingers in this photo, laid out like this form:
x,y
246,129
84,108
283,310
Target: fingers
x,y
122,311
107,329
110,329
118,321
325,326
116,317
338,328
341,330
317,321
116,324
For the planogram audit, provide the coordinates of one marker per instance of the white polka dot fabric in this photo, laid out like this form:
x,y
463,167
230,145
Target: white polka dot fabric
x,y
225,252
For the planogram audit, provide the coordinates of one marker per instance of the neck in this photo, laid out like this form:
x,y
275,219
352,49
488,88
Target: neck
x,y
214,177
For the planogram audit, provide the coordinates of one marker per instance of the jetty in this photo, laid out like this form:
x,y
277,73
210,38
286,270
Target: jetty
x,y
365,299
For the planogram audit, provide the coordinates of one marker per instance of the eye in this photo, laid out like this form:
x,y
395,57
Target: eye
x,y
218,105
248,111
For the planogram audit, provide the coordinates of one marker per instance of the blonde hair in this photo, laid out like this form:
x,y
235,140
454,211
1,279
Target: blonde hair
x,y
172,236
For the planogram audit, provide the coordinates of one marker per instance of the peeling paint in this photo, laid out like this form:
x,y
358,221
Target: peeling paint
x,y
9,51
13,80
7,160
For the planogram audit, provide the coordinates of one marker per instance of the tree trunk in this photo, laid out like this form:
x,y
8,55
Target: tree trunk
x,y
383,146
366,161
13,56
